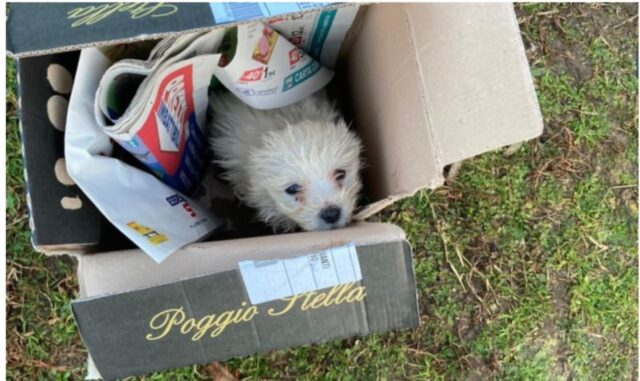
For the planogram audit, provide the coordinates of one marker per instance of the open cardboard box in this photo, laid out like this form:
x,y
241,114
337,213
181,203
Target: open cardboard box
x,y
428,85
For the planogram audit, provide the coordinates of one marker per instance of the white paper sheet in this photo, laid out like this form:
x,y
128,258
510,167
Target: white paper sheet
x,y
154,216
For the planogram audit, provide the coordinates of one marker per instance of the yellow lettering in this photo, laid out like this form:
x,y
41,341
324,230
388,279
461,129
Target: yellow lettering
x,y
342,293
249,313
307,300
316,302
132,8
292,301
175,317
203,325
92,14
313,299
356,295
187,326
331,296
79,12
237,317
224,319
164,321
142,11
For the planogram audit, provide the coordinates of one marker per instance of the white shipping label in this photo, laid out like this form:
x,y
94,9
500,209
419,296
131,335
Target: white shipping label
x,y
268,280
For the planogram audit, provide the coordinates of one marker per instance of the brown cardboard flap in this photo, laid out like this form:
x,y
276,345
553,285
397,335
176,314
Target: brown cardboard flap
x,y
121,271
433,84
387,100
479,92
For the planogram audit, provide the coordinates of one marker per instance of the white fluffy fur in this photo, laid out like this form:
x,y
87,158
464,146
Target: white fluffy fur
x,y
264,152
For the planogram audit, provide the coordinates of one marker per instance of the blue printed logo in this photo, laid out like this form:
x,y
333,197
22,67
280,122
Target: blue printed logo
x,y
301,75
175,199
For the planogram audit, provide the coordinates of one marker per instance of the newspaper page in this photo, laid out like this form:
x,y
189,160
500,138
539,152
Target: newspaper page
x,y
154,216
319,34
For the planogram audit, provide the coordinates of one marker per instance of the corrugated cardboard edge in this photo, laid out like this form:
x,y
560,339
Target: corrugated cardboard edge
x,y
530,83
67,249
155,36
412,274
373,208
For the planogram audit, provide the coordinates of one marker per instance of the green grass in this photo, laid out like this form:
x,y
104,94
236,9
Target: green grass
x,y
526,265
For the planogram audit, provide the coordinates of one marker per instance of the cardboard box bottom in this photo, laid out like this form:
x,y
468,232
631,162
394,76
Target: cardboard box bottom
x,y
209,318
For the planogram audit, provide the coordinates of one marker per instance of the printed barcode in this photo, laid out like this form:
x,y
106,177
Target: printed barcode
x,y
324,259
243,11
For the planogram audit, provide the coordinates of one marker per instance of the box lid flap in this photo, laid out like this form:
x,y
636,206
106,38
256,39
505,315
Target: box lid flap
x,y
42,28
433,84
52,196
479,93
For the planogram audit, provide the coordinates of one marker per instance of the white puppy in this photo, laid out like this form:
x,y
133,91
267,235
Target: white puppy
x,y
297,165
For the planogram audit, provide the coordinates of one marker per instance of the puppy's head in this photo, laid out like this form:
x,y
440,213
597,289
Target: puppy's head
x,y
308,174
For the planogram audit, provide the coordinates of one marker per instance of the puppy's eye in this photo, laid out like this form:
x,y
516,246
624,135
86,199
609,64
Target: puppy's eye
x,y
340,174
293,189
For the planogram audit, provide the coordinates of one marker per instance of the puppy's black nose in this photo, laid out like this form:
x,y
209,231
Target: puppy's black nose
x,y
330,214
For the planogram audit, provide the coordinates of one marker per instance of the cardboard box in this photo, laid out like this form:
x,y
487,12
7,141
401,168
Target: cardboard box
x,y
428,85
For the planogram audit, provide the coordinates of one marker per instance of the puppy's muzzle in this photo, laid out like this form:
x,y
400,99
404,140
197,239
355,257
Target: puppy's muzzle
x,y
330,214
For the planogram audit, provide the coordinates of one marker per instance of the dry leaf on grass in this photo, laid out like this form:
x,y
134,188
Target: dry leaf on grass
x,y
219,373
